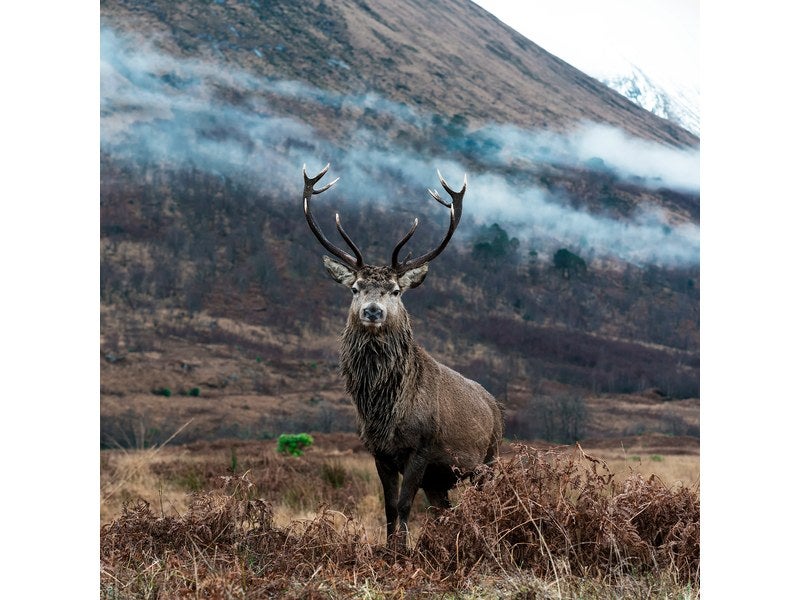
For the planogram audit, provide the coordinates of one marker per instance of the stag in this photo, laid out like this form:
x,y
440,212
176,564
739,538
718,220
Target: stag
x,y
418,418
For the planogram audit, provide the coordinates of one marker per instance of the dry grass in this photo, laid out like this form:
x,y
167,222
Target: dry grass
x,y
543,524
675,470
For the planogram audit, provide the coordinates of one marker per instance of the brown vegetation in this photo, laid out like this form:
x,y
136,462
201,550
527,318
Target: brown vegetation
x,y
543,523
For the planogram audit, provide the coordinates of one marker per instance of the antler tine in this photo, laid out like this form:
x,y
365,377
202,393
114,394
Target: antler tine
x,y
455,217
356,261
435,195
346,238
447,187
456,197
396,265
310,181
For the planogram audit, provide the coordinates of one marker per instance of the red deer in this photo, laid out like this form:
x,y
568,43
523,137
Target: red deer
x,y
418,418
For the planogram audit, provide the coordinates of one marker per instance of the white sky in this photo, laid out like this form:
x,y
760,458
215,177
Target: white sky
x,y
600,37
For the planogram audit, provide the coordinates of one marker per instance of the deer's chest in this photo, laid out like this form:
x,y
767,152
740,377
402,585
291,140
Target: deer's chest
x,y
380,380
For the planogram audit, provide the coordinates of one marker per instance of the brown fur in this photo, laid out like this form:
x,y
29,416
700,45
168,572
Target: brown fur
x,y
419,418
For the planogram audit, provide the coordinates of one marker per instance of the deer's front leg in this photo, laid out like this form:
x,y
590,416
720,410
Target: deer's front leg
x,y
412,479
390,480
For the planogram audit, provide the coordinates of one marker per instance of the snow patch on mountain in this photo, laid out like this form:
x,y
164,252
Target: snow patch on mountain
x,y
663,98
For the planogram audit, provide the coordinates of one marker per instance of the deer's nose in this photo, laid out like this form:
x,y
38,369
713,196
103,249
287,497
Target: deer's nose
x,y
372,312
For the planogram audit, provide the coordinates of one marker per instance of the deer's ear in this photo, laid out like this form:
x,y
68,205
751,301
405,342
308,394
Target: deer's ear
x,y
339,272
412,278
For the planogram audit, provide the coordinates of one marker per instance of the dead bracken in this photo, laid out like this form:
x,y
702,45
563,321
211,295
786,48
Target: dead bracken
x,y
537,524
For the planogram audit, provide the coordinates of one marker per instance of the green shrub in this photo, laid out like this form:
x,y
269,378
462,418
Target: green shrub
x,y
164,391
194,392
294,443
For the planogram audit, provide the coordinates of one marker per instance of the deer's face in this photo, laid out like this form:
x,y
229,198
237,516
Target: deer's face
x,y
376,292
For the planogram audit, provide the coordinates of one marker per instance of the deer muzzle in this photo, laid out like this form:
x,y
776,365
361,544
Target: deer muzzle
x,y
372,314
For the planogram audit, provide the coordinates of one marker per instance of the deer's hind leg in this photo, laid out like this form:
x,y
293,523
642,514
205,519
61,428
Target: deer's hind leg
x,y
438,481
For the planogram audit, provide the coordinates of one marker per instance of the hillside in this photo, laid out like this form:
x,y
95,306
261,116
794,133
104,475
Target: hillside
x,y
448,57
215,306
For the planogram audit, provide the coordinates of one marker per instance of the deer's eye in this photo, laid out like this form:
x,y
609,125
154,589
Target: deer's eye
x,y
354,290
395,292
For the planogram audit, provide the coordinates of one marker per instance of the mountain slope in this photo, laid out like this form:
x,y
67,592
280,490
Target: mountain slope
x,y
449,57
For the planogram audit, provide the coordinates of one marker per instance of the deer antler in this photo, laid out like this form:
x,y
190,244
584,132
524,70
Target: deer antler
x,y
356,261
455,216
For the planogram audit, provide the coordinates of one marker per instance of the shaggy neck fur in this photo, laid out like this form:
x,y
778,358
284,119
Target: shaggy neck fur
x,y
377,365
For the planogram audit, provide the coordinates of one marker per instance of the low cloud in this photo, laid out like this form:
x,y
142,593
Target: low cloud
x,y
190,113
593,146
